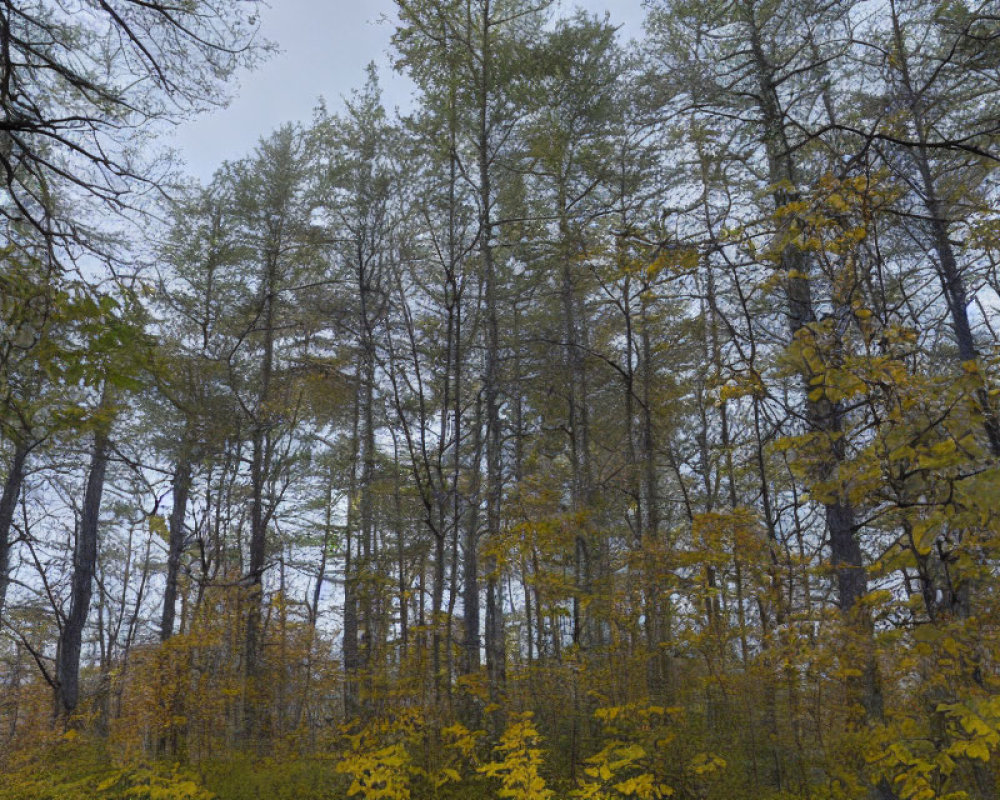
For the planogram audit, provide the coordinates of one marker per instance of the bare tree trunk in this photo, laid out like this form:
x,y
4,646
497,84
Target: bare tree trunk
x,y
822,415
366,528
349,645
8,504
650,487
495,647
470,556
574,416
181,488
260,467
437,604
84,567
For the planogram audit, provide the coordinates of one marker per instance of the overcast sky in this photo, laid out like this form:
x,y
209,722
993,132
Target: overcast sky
x,y
325,45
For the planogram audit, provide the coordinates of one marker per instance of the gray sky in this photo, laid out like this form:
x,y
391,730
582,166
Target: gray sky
x,y
325,45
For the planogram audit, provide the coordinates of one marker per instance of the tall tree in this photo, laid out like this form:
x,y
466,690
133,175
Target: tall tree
x,y
275,234
356,191
487,39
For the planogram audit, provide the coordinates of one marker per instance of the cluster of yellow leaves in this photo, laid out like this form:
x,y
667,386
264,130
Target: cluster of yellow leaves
x,y
519,760
919,764
648,264
457,756
835,216
747,384
380,773
632,711
76,766
619,771
706,764
717,537
142,782
377,759
974,727
835,375
634,761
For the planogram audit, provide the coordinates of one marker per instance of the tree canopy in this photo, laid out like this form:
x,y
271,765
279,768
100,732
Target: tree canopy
x,y
620,421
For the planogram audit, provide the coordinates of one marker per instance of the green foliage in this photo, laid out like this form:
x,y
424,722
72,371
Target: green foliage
x,y
76,766
270,778
690,357
63,768
138,783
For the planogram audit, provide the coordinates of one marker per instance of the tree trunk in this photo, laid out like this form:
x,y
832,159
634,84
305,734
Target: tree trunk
x,y
822,416
470,557
260,467
84,566
349,645
8,505
181,489
495,647
952,282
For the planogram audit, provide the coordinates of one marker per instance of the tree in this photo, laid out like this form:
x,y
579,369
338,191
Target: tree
x,y
946,96
82,83
568,151
652,356
110,367
764,78
195,337
355,190
488,40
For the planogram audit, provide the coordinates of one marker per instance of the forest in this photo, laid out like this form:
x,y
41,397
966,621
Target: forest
x,y
620,421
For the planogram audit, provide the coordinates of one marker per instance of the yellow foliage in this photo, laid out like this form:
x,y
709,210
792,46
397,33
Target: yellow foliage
x,y
519,761
620,770
706,764
142,782
380,773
